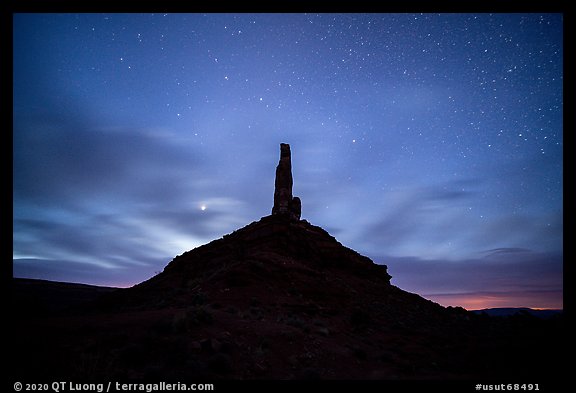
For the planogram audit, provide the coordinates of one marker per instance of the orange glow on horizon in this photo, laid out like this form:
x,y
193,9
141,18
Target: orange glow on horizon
x,y
478,301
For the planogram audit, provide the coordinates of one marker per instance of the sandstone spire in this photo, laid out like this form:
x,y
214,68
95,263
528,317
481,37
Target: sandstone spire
x,y
284,203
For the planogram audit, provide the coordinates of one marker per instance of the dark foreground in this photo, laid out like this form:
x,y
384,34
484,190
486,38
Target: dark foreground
x,y
220,336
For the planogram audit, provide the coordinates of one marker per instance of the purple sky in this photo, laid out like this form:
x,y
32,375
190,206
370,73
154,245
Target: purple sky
x,y
428,142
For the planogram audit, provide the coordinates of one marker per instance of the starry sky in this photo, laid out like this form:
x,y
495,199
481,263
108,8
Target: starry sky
x,y
432,143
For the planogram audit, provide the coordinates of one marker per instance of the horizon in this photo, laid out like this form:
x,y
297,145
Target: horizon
x,y
432,143
429,297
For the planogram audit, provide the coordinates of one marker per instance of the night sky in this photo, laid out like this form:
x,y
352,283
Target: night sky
x,y
428,142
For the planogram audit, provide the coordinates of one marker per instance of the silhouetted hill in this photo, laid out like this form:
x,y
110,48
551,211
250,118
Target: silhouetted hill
x,y
43,296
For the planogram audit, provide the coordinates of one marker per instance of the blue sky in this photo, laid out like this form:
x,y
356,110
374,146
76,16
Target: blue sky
x,y
432,143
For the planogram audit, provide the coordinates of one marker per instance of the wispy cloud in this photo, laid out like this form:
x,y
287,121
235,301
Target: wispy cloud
x,y
123,201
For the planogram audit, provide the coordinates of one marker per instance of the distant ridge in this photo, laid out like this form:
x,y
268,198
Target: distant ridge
x,y
44,296
510,311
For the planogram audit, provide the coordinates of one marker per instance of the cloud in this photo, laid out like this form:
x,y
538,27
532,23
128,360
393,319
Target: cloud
x,y
417,220
205,218
120,201
505,251
105,241
123,245
60,158
540,230
72,271
453,221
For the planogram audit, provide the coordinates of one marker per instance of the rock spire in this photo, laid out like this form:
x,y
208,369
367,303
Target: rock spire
x,y
284,203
